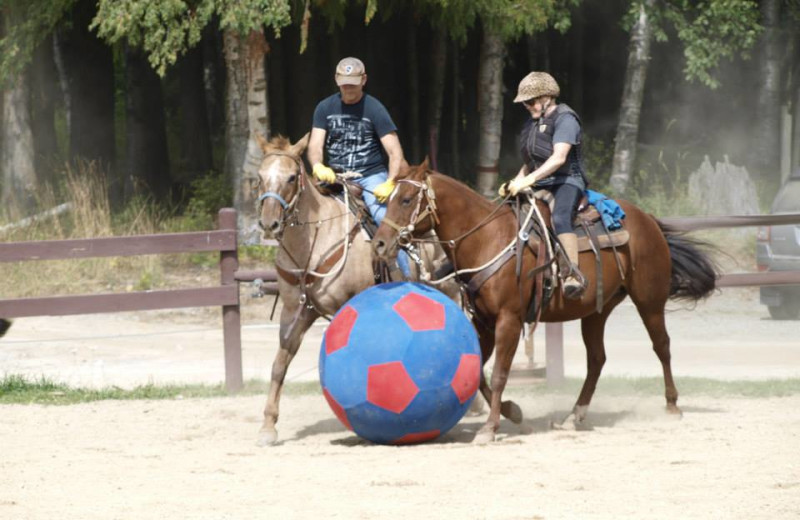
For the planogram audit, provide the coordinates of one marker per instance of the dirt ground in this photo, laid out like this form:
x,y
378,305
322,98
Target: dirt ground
x,y
730,457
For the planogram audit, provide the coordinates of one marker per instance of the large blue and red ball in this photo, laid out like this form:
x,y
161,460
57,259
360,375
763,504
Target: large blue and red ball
x,y
400,363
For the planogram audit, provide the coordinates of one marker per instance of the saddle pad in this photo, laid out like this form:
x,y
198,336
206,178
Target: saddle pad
x,y
615,238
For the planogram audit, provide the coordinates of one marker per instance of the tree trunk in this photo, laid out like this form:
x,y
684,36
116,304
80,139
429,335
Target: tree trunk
x,y
19,174
631,107
246,116
438,77
767,119
146,157
455,115
576,38
491,110
413,90
195,138
89,65
44,93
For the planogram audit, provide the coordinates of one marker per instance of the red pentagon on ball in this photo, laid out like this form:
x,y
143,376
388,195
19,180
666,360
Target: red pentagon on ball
x,y
420,312
414,438
390,387
338,333
337,409
464,383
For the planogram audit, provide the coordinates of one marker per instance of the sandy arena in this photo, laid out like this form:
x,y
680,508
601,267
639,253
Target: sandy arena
x,y
730,457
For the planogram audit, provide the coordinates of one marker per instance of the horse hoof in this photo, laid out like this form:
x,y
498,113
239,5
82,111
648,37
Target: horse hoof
x,y
483,437
568,424
673,409
511,411
267,438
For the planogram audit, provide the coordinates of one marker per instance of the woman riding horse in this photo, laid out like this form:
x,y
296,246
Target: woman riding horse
x,y
653,266
552,161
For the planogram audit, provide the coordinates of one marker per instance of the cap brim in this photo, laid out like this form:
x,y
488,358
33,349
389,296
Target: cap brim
x,y
348,80
520,98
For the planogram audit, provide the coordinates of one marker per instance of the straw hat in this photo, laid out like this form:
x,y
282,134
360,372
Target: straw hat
x,y
536,84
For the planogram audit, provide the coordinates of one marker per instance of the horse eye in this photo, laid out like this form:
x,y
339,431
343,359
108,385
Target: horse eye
x,y
292,178
406,201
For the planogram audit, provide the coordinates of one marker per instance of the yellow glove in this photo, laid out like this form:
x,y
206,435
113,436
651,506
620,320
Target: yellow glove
x,y
323,173
516,185
382,191
503,189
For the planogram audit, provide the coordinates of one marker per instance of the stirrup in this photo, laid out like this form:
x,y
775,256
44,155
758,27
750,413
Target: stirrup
x,y
574,285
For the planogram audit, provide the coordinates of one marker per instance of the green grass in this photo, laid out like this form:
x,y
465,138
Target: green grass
x,y
16,389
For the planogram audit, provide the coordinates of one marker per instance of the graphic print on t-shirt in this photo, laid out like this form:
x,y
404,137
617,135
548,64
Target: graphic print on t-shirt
x,y
352,144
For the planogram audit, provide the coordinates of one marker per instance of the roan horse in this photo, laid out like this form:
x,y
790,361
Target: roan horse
x,y
657,264
324,258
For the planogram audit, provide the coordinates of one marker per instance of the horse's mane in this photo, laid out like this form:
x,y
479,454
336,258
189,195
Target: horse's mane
x,y
466,192
278,143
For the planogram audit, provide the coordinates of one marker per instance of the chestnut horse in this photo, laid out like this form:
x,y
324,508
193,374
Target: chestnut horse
x,y
657,264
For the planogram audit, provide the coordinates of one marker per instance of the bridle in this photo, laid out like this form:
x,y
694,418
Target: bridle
x,y
288,209
425,193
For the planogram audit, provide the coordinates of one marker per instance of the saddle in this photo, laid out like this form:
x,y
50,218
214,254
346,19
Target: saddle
x,y
551,262
357,205
588,224
381,272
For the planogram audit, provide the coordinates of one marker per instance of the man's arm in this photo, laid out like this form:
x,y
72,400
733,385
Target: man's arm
x,y
316,142
391,143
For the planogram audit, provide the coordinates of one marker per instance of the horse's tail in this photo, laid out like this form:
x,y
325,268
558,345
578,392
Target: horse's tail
x,y
4,326
694,275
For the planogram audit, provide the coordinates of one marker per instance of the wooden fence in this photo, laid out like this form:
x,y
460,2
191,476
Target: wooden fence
x,y
226,294
554,335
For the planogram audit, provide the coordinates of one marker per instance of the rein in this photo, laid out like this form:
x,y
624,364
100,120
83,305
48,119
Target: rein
x,y
329,265
404,233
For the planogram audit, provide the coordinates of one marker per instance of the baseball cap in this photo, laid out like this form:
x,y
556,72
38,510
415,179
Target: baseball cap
x,y
350,71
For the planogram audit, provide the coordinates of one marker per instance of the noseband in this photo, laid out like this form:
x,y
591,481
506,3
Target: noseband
x,y
287,208
425,193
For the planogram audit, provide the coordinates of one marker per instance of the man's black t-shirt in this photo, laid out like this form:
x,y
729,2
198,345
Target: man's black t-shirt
x,y
353,133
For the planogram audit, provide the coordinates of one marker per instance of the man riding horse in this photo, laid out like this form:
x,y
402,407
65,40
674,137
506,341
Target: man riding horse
x,y
357,133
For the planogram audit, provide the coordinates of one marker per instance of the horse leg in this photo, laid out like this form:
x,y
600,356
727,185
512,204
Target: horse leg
x,y
507,330
508,409
288,348
657,329
592,331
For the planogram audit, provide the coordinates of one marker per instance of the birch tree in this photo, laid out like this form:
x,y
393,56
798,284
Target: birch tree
x,y
631,106
166,29
26,23
709,30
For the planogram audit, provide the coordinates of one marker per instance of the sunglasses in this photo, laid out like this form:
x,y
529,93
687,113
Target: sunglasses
x,y
529,102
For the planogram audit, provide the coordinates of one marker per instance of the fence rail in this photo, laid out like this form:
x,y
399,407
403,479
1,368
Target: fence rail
x,y
225,295
554,335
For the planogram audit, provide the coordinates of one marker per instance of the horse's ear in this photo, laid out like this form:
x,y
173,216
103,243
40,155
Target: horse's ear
x,y
262,142
300,146
426,164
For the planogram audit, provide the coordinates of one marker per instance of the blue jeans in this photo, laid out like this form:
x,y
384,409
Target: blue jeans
x,y
378,211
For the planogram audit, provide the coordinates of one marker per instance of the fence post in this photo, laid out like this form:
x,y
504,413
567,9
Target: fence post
x,y
231,319
554,352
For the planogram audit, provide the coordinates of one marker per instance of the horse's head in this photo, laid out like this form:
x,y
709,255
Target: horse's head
x,y
410,211
281,178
